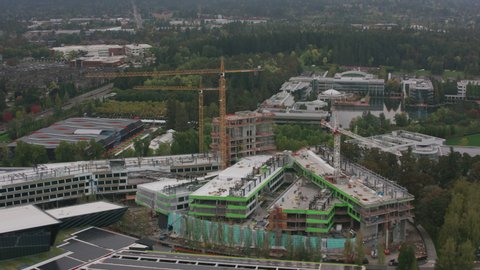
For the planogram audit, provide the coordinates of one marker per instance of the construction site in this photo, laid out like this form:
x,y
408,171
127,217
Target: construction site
x,y
275,201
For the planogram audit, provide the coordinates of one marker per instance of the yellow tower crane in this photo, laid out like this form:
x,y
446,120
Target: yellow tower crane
x,y
201,115
224,157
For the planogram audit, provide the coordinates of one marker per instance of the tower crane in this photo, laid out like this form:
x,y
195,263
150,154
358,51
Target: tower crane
x,y
337,133
201,119
224,157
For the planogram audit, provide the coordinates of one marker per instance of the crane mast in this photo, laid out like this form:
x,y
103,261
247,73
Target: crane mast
x,y
337,134
222,88
201,114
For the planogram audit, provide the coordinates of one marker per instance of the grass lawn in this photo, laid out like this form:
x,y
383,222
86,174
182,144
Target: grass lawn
x,y
22,262
470,140
453,74
4,138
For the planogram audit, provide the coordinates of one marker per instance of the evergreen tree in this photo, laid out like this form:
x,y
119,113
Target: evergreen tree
x,y
359,249
406,258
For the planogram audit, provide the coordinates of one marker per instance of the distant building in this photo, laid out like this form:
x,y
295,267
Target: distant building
x,y
162,139
101,50
356,82
134,50
300,87
419,90
108,132
249,133
462,90
401,140
86,62
103,55
284,109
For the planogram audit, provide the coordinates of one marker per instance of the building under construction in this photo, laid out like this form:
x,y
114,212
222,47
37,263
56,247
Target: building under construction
x,y
248,134
319,203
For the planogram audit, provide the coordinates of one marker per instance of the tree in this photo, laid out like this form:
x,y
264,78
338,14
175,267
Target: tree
x,y
401,119
406,258
359,249
348,253
185,142
95,149
393,86
65,152
29,154
381,250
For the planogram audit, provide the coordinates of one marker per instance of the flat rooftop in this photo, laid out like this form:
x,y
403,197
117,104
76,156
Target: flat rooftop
x,y
24,217
170,186
305,195
54,170
402,139
77,129
232,177
354,186
82,209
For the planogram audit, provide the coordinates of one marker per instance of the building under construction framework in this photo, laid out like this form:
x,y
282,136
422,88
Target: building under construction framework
x,y
248,134
318,203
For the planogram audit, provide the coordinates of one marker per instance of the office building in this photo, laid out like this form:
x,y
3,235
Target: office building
x,y
355,82
419,90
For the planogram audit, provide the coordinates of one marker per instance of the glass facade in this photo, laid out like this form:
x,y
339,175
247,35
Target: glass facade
x,y
27,242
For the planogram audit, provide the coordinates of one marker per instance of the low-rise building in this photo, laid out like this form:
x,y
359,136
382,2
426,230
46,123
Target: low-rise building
x,y
108,132
402,140
137,50
419,90
462,89
284,109
52,184
355,82
167,195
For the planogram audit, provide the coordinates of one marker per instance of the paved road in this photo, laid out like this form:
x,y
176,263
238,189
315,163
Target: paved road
x,y
98,93
137,16
471,150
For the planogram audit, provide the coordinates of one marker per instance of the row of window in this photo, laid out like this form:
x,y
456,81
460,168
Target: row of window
x,y
40,199
42,191
194,169
110,182
182,206
102,189
110,175
50,183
